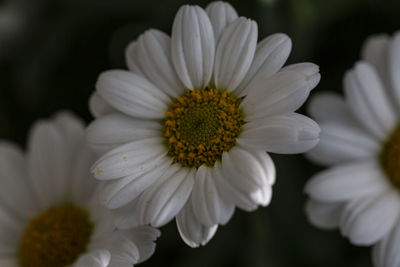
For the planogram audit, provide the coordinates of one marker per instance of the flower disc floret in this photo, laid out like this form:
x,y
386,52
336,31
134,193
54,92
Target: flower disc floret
x,y
56,237
390,158
200,125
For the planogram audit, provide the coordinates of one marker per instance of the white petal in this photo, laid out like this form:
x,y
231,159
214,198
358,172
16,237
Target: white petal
x,y
134,158
283,92
193,46
132,58
234,53
246,176
376,50
15,191
341,143
365,221
271,54
221,15
144,238
288,134
9,262
132,94
323,215
48,169
368,100
98,106
306,68
98,258
348,181
162,201
386,252
328,107
394,67
124,252
154,56
113,130
192,231
118,193
125,217
11,230
229,192
207,205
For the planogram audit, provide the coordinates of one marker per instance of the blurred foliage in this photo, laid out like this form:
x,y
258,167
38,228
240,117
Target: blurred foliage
x,y
51,52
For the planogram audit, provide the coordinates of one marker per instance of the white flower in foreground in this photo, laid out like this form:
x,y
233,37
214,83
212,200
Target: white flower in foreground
x,y
360,134
49,213
186,129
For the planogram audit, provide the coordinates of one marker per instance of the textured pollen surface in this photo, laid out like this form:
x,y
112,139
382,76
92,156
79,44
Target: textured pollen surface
x,y
390,158
55,237
200,125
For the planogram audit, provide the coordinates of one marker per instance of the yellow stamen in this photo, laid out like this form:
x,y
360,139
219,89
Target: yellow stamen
x,y
390,158
200,125
55,237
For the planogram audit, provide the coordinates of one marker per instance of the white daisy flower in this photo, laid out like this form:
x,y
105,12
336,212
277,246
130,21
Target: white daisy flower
x,y
360,139
186,129
49,212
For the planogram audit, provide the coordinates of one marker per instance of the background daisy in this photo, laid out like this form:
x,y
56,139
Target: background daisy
x,y
49,210
189,125
361,139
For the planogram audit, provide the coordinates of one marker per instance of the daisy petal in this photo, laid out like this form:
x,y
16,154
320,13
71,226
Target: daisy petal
x,y
386,252
324,215
366,221
234,54
283,92
10,232
48,169
270,55
132,58
288,134
118,193
161,202
342,143
144,238
134,158
193,47
375,51
207,205
347,181
246,176
328,107
132,94
394,66
231,193
98,106
193,232
154,56
113,130
124,252
221,14
310,70
98,258
125,217
368,101
15,190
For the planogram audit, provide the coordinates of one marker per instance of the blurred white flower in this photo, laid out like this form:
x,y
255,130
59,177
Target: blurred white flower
x,y
360,139
186,129
49,212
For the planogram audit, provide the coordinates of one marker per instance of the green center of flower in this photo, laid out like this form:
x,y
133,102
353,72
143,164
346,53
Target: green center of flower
x,y
56,237
390,158
200,125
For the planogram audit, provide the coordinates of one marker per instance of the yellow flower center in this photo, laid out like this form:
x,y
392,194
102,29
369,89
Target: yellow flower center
x,y
56,237
200,125
390,158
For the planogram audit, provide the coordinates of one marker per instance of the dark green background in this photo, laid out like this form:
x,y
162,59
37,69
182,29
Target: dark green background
x,y
51,52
